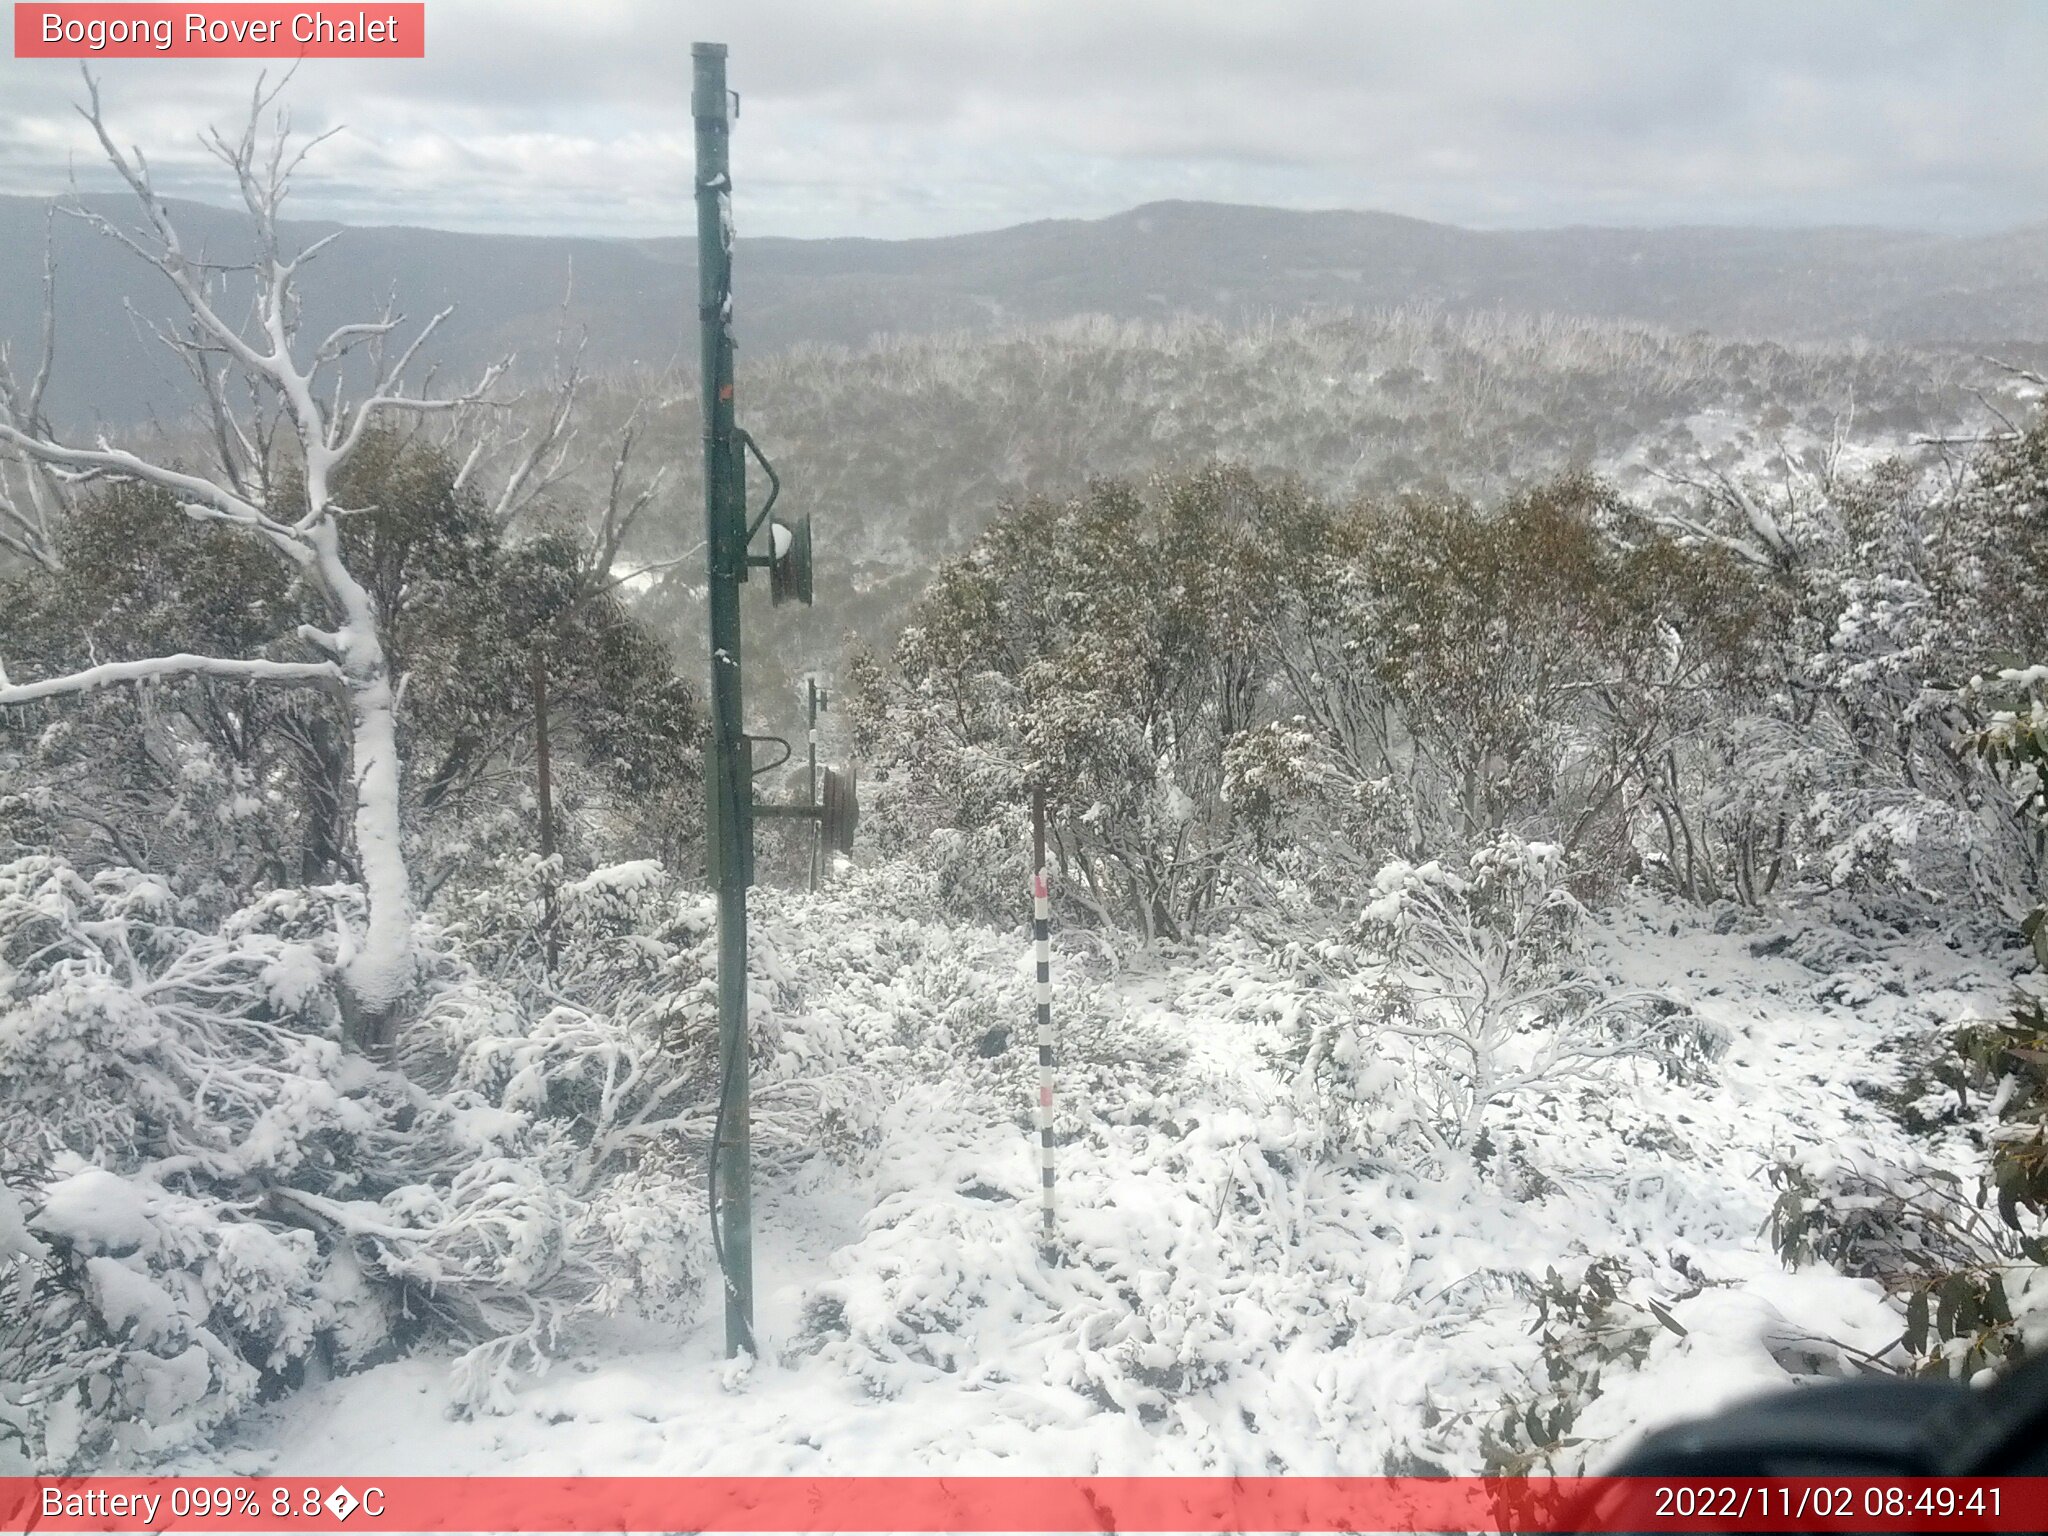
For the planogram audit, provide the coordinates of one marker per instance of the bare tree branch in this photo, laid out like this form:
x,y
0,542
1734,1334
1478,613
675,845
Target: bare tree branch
x,y
27,513
2030,375
541,466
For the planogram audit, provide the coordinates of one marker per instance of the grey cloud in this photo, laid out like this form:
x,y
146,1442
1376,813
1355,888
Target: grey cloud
x,y
931,116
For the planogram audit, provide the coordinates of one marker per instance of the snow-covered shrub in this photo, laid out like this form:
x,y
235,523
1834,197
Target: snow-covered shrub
x,y
1484,1002
1974,1293
1269,775
1968,1267
1107,649
1587,1328
213,1195
1827,741
1136,1319
983,872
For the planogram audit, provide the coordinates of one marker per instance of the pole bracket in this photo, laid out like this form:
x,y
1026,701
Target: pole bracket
x,y
774,482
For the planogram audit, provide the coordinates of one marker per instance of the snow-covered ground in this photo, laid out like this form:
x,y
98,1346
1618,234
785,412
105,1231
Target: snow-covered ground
x,y
1222,1300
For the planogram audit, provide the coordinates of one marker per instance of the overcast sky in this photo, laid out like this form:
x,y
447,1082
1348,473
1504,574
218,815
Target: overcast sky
x,y
927,117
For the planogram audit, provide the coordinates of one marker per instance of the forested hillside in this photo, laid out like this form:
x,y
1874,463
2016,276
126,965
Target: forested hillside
x,y
904,450
1231,264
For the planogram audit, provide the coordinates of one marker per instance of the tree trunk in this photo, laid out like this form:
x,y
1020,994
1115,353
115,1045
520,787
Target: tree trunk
x,y
381,968
324,763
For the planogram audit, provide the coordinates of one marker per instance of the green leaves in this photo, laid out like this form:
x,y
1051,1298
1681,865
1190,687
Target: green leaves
x,y
1663,1315
2009,1060
1585,1327
1917,1323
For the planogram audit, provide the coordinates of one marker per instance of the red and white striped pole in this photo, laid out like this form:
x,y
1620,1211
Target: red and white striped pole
x,y
1041,941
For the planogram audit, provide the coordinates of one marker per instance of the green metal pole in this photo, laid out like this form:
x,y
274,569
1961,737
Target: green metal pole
x,y
728,777
811,797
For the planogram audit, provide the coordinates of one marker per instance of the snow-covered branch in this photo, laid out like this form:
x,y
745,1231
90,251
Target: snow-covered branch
x,y
254,670
1484,991
195,494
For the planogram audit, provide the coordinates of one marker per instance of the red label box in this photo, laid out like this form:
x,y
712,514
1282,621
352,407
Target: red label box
x,y
1526,1507
361,30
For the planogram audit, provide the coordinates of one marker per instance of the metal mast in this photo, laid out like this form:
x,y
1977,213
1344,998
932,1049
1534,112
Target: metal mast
x,y
730,808
728,777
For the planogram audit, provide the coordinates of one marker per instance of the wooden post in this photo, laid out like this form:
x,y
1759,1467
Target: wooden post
x,y
1041,941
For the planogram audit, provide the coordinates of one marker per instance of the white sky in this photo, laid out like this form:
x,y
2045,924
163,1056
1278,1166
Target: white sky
x,y
926,117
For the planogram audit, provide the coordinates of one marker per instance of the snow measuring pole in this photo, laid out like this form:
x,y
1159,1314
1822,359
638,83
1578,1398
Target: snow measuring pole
x,y
1041,951
730,809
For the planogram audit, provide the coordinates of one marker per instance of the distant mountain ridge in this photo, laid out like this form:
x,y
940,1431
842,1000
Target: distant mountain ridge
x,y
637,297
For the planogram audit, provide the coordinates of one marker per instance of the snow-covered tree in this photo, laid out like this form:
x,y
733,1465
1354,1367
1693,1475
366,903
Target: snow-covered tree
x,y
1110,648
1469,669
1828,743
1489,1001
273,480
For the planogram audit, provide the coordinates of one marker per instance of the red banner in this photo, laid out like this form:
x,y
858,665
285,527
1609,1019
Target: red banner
x,y
1204,1504
215,31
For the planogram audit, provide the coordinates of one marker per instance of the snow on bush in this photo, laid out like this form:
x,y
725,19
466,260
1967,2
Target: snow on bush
x,y
1220,1286
1204,1248
1485,1002
207,1195
1236,1287
1255,1275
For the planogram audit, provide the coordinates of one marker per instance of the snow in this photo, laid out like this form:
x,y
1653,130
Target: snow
x,y
15,1238
631,876
176,1385
1222,1300
96,1212
132,1304
294,976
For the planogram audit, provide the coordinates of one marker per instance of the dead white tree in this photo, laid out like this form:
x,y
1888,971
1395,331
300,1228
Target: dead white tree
x,y
32,497
277,458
